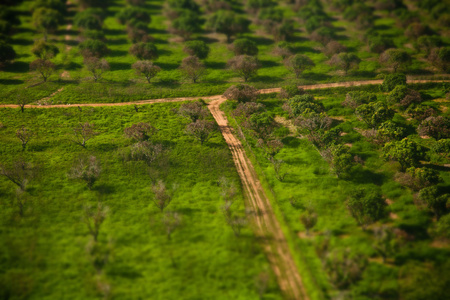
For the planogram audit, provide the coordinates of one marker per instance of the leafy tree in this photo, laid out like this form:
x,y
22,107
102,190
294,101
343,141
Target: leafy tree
x,y
271,147
89,19
354,99
244,66
379,44
345,61
290,91
228,23
24,135
304,104
144,51
133,13
19,172
420,112
440,58
437,127
323,35
391,81
374,113
283,49
94,218
442,227
314,125
42,49
442,147
396,59
138,32
162,196
422,177
140,132
187,23
196,48
192,68
146,68
145,151
7,53
435,199
408,153
262,123
83,132
241,93
86,169
283,31
341,160
416,29
344,269
193,110
426,43
299,63
308,219
366,205
44,67
96,66
47,20
244,47
391,131
201,130
334,47
58,5
93,48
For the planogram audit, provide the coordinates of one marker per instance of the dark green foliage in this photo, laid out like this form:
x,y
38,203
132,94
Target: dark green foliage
x,y
184,4
59,5
186,23
299,63
395,59
46,19
145,51
391,81
442,227
7,52
304,104
283,49
379,44
408,153
89,19
374,113
290,91
440,58
5,28
344,268
426,43
94,48
436,200
357,98
341,160
44,50
228,23
437,127
245,47
132,12
323,35
196,48
442,147
423,177
244,66
8,15
367,205
345,61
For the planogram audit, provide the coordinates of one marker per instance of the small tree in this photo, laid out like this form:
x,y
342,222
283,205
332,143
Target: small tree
x,y
43,50
435,200
94,48
345,61
144,51
133,13
366,205
196,48
24,135
244,66
7,53
356,98
96,66
89,19
308,219
384,243
440,58
83,132
228,23
162,197
341,160
193,110
187,23
437,127
94,218
86,169
408,153
193,68
298,63
146,68
44,67
140,132
290,91
23,98
391,81
244,47
395,59
374,113
333,48
20,173
283,49
171,221
146,151
241,93
201,130
47,20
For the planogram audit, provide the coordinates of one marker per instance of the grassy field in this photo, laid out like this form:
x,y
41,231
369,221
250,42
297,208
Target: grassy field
x,y
47,253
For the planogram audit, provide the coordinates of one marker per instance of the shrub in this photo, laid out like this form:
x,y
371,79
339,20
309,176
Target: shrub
x,y
192,68
290,91
144,51
356,98
244,47
333,47
367,205
304,104
94,48
244,66
391,81
132,12
299,63
408,153
395,59
146,68
44,50
437,127
196,48
7,53
241,93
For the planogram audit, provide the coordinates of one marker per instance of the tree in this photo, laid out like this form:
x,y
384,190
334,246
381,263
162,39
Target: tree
x,y
138,31
24,135
283,49
404,97
96,66
384,243
299,63
379,44
290,91
437,127
23,98
43,50
86,169
196,48
244,47
426,43
343,268
171,221
419,178
396,59
391,81
323,35
193,110
7,53
442,147
262,123
366,205
146,151
83,132
228,23
334,47
241,93
20,173
440,58
244,66
53,4
341,160
202,130
89,19
314,125
187,23
47,20
133,13
94,218
345,61
144,51
94,48
271,147
161,196
356,98
308,219
304,104
192,68
374,113
44,67
435,199
146,68
406,152
140,132
283,31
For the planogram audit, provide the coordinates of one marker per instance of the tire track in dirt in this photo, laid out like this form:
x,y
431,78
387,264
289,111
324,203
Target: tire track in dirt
x,y
267,225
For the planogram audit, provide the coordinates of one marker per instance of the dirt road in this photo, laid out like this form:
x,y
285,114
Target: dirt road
x,y
267,225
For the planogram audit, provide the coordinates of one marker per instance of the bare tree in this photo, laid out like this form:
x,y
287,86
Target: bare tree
x,y
23,98
140,132
308,219
242,93
202,130
96,66
171,221
146,68
244,66
229,190
44,67
278,166
87,169
82,133
162,197
193,110
192,68
262,283
24,135
146,151
19,173
237,223
94,218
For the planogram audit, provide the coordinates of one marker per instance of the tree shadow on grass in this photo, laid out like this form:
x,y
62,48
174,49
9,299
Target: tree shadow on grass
x,y
303,49
119,41
11,81
315,76
207,40
366,74
420,72
261,41
105,188
159,41
124,271
22,42
116,66
17,67
167,83
113,32
268,63
266,79
167,66
364,176
117,53
215,65
162,52
291,142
